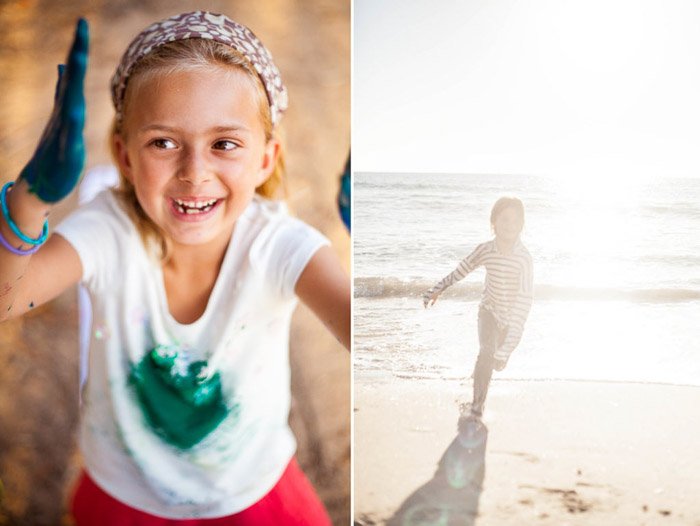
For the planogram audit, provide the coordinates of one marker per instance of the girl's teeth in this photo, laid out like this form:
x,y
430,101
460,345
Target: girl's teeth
x,y
195,203
194,207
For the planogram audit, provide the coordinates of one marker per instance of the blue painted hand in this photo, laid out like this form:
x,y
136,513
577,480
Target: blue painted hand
x,y
344,195
58,161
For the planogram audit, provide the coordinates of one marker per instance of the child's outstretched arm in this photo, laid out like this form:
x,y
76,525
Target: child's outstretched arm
x,y
325,288
28,280
465,266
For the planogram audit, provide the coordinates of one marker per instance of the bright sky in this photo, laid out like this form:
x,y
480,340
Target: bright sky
x,y
602,88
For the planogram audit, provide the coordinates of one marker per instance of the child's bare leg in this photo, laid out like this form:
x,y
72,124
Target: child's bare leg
x,y
483,369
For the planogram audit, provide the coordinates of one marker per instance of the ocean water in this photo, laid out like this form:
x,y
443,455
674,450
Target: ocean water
x,y
616,265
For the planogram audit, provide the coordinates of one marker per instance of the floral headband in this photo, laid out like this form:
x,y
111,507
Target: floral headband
x,y
205,25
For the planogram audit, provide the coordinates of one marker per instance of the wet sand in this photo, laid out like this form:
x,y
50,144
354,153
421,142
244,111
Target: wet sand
x,y
39,353
557,453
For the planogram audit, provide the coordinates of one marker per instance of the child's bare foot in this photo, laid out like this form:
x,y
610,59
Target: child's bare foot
x,y
471,431
468,413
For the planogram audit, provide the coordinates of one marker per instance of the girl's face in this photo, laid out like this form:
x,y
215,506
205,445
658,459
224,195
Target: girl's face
x,y
508,225
195,150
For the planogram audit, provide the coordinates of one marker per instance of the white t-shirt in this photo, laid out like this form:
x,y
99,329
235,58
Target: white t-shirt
x,y
243,334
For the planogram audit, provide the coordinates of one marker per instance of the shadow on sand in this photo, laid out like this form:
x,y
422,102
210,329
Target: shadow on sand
x,y
451,497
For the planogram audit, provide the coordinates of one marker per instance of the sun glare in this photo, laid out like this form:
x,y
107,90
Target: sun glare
x,y
601,224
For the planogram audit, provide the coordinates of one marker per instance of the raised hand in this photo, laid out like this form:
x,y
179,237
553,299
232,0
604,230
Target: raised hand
x,y
58,161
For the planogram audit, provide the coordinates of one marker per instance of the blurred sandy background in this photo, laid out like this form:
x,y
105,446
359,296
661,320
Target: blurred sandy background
x,y
310,41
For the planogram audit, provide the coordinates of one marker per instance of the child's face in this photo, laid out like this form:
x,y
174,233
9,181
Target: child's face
x,y
508,225
195,150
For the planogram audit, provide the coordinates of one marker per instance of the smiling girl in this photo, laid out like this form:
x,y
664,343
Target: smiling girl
x,y
193,271
507,296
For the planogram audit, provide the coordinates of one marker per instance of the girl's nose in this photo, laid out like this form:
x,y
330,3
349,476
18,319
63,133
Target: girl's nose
x,y
193,167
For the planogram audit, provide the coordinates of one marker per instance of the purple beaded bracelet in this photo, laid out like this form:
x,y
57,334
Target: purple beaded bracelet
x,y
18,251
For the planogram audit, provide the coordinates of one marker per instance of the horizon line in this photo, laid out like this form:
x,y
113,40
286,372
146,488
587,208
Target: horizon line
x,y
504,174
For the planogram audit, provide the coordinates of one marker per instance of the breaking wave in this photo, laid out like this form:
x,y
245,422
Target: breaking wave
x,y
392,287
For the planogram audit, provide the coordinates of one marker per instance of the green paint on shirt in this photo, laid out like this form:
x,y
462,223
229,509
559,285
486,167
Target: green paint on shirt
x,y
181,402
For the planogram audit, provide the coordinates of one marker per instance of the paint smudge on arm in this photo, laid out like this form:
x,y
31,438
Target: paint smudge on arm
x,y
5,289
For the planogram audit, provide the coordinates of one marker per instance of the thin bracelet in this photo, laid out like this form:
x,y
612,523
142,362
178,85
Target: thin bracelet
x,y
15,229
18,251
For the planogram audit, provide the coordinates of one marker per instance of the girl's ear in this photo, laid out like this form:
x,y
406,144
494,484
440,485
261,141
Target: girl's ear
x,y
269,160
122,156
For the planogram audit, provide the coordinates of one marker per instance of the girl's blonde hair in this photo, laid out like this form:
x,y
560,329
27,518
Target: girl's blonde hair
x,y
188,55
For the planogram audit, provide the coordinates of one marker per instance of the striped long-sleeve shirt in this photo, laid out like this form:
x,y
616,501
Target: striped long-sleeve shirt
x,y
507,292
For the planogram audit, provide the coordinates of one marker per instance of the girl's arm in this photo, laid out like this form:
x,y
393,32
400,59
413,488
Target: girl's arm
x,y
29,281
324,287
26,280
465,266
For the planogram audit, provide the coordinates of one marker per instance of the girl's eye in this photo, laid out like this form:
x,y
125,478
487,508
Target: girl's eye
x,y
163,144
225,145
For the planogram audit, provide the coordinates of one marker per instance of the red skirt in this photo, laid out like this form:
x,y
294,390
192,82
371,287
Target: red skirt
x,y
293,501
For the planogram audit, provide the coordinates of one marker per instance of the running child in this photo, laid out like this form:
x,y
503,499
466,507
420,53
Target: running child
x,y
507,296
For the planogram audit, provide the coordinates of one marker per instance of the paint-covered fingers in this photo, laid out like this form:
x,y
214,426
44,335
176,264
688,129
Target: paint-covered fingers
x,y
71,147
74,151
77,58
71,76
55,168
73,98
59,82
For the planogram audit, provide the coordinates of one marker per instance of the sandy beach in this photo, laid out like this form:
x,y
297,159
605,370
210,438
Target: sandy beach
x,y
39,353
557,453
